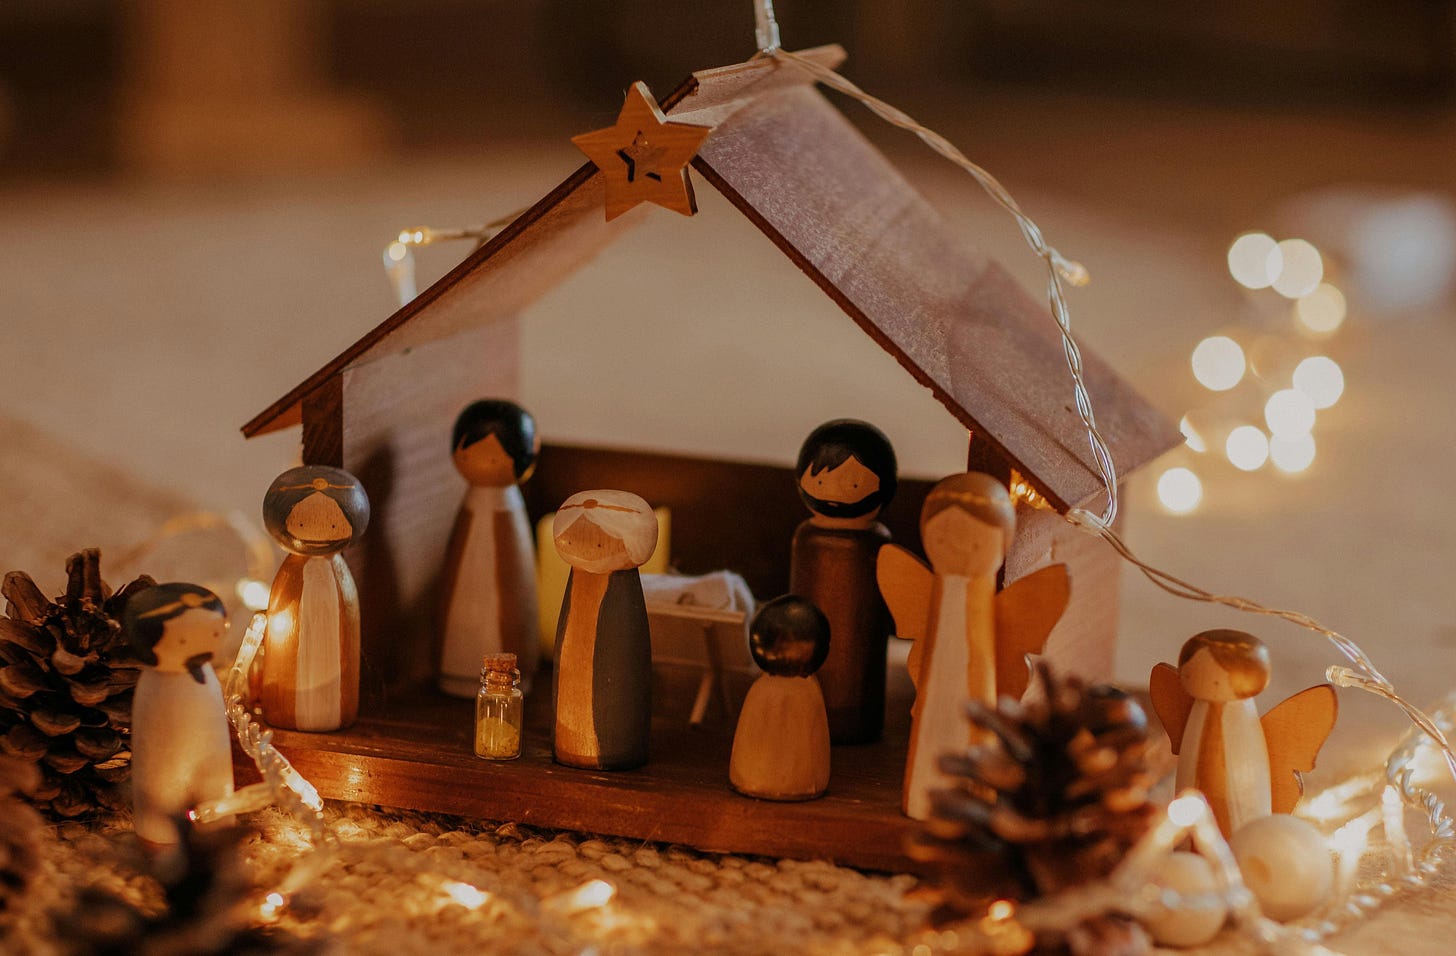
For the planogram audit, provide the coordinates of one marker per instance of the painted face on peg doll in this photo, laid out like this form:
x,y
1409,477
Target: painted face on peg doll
x,y
605,531
315,510
495,443
846,472
966,523
177,629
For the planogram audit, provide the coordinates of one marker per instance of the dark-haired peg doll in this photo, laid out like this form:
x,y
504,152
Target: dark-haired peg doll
x,y
489,599
310,669
181,750
846,474
1246,765
781,746
602,682
970,642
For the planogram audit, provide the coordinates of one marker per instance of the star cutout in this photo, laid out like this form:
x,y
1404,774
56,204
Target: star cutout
x,y
644,158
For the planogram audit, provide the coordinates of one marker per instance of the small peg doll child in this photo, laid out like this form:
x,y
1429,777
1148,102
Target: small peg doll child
x,y
970,641
602,682
846,475
781,746
181,747
310,662
489,597
1247,766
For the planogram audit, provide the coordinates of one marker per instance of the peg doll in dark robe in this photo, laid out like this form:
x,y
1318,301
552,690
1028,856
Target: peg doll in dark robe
x,y
602,682
489,595
846,474
309,675
781,745
181,744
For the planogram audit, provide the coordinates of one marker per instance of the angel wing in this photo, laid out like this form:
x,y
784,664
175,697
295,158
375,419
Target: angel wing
x,y
1171,702
1294,731
1026,611
906,583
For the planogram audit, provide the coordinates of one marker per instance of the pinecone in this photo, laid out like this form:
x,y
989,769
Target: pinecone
x,y
1054,797
20,829
66,680
206,890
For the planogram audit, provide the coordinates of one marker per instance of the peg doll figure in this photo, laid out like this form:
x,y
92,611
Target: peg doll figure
x,y
489,598
602,682
846,475
181,747
1247,766
781,746
310,662
970,641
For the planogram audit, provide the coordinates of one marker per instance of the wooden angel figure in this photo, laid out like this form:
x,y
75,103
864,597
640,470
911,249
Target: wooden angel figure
x,y
970,641
1247,766
309,677
180,742
602,682
846,475
781,746
489,597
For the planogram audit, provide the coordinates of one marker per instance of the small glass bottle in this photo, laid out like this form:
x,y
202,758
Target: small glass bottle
x,y
499,709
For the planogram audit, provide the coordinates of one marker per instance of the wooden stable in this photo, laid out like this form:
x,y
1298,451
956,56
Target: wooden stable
x,y
833,205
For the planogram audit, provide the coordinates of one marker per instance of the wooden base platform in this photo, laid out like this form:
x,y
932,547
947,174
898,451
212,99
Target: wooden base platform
x,y
417,755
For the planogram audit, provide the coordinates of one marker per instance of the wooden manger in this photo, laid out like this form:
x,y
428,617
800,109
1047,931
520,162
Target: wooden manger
x,y
954,320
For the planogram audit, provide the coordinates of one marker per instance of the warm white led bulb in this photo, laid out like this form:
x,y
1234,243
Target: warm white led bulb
x,y
1292,455
1301,269
1247,448
1218,363
1322,311
1250,259
1289,413
1320,378
1179,490
1191,436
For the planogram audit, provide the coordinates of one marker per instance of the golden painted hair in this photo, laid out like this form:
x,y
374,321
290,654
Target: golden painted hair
x,y
1242,656
978,495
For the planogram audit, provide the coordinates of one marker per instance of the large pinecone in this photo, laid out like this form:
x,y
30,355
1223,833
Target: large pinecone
x,y
66,681
1054,797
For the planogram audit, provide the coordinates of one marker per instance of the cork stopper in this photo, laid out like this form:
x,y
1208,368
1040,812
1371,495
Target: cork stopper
x,y
499,670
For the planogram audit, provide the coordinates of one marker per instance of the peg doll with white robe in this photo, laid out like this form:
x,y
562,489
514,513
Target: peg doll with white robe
x,y
180,741
489,595
970,641
309,675
1246,765
602,682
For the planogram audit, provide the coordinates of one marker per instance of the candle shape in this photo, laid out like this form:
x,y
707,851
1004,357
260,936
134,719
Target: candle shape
x,y
310,662
1246,765
970,641
181,749
489,595
846,475
781,746
602,683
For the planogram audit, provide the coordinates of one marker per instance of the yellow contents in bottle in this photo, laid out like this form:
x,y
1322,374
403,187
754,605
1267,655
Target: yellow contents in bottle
x,y
496,738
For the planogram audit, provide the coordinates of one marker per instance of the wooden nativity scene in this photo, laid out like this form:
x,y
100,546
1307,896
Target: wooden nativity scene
x,y
431,532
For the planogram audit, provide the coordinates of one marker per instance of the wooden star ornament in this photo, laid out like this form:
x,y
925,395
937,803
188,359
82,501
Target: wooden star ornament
x,y
644,157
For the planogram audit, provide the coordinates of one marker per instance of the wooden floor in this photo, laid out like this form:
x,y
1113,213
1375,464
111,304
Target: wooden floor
x,y
417,755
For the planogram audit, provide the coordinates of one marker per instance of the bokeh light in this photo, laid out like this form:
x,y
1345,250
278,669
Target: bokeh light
x,y
1254,260
1300,268
1247,448
1218,363
1179,490
1320,377
1321,311
1289,413
1192,437
1292,455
